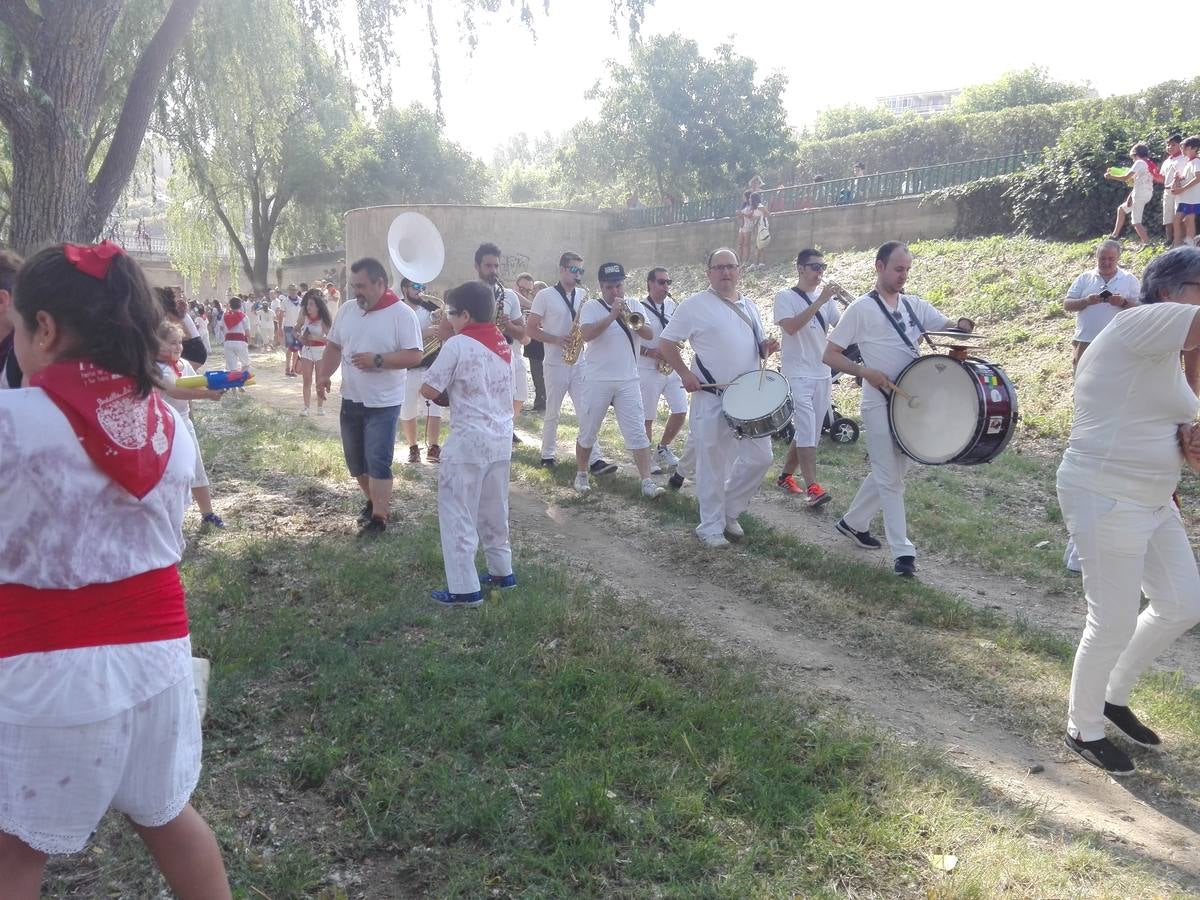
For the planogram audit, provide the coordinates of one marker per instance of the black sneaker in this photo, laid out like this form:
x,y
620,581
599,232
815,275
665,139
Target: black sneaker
x,y
516,440
862,538
365,516
547,464
1102,754
1130,725
906,566
602,467
675,482
373,529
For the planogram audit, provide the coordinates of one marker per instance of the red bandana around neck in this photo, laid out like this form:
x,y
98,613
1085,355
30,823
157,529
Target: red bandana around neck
x,y
490,336
127,438
389,298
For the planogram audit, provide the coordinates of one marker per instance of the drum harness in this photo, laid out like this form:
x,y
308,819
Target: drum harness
x,y
708,376
903,332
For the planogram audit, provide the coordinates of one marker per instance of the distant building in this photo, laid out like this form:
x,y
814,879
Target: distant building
x,y
923,103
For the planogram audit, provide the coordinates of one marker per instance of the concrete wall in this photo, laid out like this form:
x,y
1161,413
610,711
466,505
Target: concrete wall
x,y
311,267
530,239
853,227
160,273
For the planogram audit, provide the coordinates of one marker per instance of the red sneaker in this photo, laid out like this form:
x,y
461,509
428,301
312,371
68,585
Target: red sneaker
x,y
788,483
817,496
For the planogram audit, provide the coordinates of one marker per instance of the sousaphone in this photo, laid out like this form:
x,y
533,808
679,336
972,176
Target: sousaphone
x,y
418,253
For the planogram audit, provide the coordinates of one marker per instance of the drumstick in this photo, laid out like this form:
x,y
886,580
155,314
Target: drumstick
x,y
714,384
913,402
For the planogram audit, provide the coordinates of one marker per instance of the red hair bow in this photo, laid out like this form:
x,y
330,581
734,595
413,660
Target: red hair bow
x,y
93,259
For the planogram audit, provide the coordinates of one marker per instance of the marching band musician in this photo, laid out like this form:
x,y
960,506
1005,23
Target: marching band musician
x,y
887,325
551,318
414,404
727,336
610,377
805,316
509,318
659,308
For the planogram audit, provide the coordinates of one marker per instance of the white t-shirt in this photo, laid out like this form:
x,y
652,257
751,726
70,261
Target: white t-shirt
x,y
183,407
189,327
1092,319
1171,166
718,335
882,348
1130,396
556,316
1143,181
803,350
99,533
479,384
655,324
1189,170
378,331
291,311
610,355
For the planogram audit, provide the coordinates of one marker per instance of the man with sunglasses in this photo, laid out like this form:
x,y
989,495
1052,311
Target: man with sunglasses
x,y
659,308
887,326
726,334
805,317
551,318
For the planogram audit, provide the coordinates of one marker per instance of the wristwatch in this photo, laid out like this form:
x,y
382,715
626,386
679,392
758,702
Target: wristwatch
x,y
379,360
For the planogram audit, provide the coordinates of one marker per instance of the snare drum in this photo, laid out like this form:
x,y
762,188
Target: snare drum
x,y
963,411
757,404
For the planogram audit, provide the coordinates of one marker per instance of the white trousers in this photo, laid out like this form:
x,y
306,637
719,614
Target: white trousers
x,y
883,488
237,356
623,396
686,468
415,406
1125,550
728,470
473,509
561,381
655,385
199,475
810,398
520,379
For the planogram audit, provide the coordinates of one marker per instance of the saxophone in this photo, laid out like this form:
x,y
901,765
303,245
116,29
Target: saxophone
x,y
661,365
573,345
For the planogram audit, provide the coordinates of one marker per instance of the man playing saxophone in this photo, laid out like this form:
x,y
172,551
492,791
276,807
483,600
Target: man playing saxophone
x,y
613,328
657,379
509,318
552,317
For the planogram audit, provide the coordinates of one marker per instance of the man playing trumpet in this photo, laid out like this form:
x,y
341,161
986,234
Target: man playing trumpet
x,y
805,317
613,328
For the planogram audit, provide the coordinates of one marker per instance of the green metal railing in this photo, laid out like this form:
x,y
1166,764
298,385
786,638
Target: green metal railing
x,y
838,192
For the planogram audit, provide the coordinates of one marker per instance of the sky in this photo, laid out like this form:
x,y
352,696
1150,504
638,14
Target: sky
x,y
515,82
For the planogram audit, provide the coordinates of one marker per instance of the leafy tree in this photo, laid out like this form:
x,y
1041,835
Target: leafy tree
x,y
677,122
252,128
79,80
839,121
1023,87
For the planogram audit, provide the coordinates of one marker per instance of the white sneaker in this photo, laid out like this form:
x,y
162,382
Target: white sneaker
x,y
666,457
652,490
713,541
581,483
304,412
320,410
655,468
733,530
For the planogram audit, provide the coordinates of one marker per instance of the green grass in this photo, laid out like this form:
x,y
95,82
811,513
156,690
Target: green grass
x,y
555,742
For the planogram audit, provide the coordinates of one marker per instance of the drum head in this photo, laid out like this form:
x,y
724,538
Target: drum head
x,y
745,400
941,421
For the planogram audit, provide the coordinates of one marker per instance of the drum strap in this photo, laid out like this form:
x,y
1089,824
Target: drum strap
x,y
741,314
620,321
903,332
708,377
804,297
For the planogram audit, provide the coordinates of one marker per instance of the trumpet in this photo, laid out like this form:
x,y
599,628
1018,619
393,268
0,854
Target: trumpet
x,y
633,320
840,294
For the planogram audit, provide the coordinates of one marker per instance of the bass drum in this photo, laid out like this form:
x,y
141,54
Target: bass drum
x,y
963,411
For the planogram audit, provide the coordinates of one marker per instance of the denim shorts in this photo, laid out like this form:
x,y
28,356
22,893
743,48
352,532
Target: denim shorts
x,y
369,438
1187,209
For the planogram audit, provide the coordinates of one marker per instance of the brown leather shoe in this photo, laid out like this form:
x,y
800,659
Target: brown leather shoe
x,y
433,453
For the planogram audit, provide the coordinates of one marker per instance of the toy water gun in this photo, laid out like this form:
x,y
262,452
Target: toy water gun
x,y
216,381
1121,172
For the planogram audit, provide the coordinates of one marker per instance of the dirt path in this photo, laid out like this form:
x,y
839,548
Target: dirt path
x,y
711,601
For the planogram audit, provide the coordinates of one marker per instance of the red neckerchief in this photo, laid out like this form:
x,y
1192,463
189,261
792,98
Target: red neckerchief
x,y
176,367
127,438
490,336
388,299
233,318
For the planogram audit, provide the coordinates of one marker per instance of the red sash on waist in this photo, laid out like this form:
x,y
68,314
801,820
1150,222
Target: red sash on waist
x,y
235,336
146,607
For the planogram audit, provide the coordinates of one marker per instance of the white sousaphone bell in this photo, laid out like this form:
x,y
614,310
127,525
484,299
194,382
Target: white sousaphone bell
x,y
416,247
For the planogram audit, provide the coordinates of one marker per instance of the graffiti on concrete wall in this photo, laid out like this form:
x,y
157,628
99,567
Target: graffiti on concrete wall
x,y
512,265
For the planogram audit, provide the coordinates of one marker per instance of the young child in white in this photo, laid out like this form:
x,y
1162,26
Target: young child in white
x,y
237,338
172,367
474,372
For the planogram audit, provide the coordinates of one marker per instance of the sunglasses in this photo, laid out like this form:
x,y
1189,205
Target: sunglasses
x,y
418,287
575,270
663,282
816,267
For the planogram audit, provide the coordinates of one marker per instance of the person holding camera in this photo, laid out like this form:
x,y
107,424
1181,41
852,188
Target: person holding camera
x,y
1098,295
